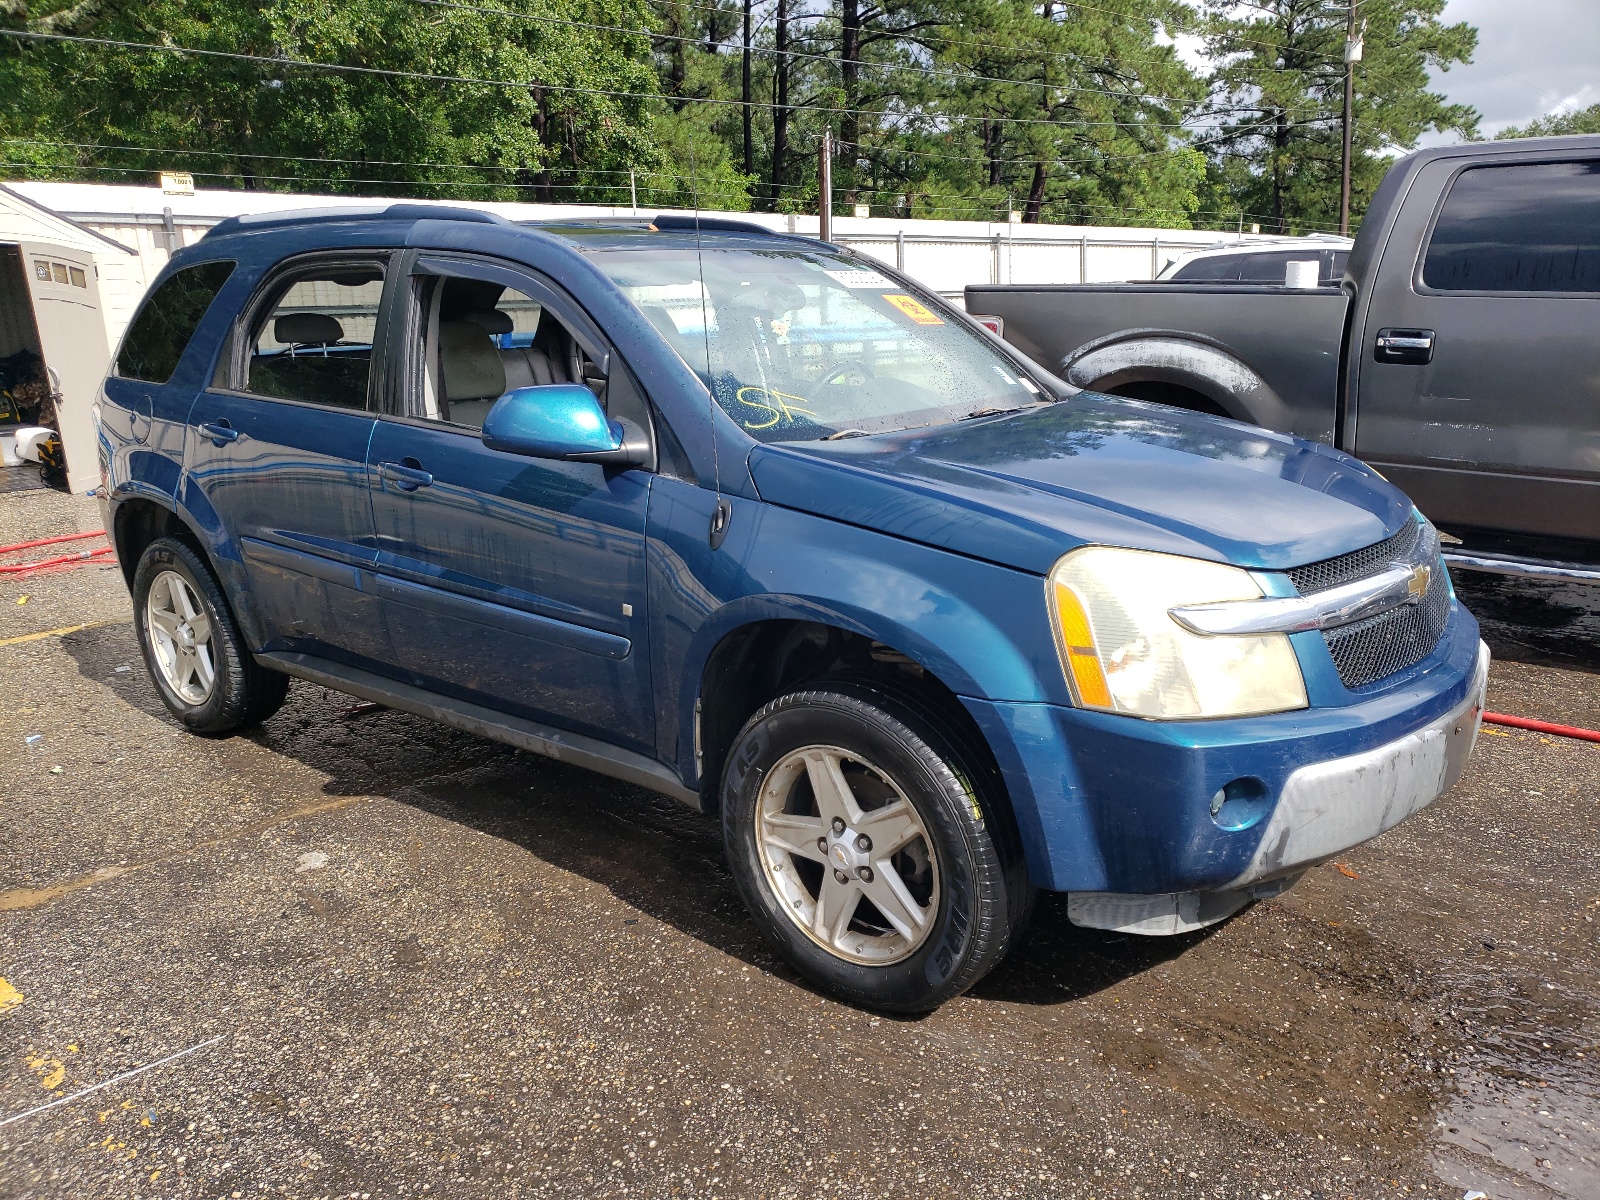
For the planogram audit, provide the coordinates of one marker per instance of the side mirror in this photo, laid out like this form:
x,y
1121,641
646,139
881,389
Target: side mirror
x,y
562,421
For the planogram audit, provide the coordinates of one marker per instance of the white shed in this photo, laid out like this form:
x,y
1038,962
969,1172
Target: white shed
x,y
61,286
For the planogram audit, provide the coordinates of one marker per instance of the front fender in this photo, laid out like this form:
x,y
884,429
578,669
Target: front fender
x,y
1186,360
981,629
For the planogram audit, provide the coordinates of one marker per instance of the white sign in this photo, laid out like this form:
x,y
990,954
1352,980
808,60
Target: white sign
x,y
858,279
177,183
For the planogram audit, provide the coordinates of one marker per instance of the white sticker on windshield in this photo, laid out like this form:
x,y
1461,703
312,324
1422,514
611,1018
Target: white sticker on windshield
x,y
858,279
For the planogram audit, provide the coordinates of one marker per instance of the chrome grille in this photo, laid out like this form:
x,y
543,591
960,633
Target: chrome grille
x,y
1376,648
1371,650
1359,564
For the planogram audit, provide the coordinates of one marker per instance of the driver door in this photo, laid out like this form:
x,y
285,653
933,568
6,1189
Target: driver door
x,y
506,580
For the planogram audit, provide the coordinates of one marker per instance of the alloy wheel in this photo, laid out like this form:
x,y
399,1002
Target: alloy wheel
x,y
180,635
847,855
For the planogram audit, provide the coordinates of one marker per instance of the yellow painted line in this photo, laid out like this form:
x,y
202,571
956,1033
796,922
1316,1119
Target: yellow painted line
x,y
65,629
22,898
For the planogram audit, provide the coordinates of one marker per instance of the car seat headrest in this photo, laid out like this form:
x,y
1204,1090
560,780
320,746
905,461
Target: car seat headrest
x,y
307,329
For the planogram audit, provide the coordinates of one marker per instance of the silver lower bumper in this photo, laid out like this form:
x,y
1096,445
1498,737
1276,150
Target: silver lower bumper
x,y
1324,808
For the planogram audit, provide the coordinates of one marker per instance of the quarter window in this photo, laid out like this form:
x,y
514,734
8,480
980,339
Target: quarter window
x,y
1530,227
156,339
314,343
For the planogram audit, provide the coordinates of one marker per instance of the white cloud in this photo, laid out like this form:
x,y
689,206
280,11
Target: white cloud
x,y
1534,57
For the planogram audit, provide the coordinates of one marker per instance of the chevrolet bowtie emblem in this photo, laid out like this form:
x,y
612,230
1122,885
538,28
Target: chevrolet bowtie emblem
x,y
1417,585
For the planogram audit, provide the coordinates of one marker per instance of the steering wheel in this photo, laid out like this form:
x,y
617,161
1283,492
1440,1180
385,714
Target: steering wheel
x,y
832,377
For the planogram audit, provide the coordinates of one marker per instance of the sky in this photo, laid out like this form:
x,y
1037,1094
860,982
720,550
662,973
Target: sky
x,y
1534,57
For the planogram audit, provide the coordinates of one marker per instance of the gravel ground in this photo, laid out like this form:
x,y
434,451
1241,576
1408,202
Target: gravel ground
x,y
402,961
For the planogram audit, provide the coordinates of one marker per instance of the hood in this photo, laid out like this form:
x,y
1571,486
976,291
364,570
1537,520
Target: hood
x,y
1024,489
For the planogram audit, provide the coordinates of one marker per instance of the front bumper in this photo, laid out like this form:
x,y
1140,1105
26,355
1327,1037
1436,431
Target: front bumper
x,y
1112,804
1325,808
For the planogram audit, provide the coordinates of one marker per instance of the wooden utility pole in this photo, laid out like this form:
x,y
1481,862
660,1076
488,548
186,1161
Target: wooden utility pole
x,y
749,147
1352,55
825,187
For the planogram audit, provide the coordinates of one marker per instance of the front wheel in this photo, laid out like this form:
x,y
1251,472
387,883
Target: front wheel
x,y
193,648
861,847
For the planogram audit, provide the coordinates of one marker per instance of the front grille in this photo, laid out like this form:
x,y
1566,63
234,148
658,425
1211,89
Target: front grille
x,y
1376,648
1359,564
1373,649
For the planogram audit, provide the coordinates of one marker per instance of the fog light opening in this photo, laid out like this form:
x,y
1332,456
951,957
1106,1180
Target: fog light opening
x,y
1240,804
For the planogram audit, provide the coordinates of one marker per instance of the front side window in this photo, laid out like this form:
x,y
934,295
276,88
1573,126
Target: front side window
x,y
156,339
481,339
314,341
797,344
1529,227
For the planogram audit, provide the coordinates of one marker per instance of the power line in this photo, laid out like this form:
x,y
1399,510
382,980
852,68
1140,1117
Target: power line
x,y
935,72
431,77
1058,202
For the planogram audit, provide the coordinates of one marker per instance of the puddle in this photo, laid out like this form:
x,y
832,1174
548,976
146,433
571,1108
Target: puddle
x,y
1524,1122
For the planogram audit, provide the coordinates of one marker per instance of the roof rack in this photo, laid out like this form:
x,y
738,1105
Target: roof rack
x,y
689,222
326,216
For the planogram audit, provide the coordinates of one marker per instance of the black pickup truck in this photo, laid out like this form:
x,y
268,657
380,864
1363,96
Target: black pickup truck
x,y
1460,356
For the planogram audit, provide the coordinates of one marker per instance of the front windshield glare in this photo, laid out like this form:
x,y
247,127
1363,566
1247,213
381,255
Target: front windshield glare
x,y
801,344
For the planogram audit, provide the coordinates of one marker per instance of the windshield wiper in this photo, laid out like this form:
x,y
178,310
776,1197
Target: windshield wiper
x,y
845,433
987,412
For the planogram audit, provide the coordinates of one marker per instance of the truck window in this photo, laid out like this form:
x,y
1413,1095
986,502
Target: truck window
x,y
1217,267
1270,268
1530,227
157,338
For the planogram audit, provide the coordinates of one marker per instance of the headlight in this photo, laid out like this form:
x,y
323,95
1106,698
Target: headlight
x,y
1122,652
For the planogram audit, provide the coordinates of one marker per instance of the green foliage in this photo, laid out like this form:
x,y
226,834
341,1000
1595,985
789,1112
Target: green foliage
x,y
1585,120
698,170
262,125
1279,86
1062,111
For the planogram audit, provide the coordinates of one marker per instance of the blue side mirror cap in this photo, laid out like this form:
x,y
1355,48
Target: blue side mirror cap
x,y
558,420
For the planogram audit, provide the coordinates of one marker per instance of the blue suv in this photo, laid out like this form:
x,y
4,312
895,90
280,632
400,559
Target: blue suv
x,y
762,525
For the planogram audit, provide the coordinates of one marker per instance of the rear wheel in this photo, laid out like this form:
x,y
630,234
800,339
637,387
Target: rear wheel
x,y
192,646
862,848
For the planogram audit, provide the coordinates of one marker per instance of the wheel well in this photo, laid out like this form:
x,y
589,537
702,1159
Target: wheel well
x,y
140,522
1174,394
760,662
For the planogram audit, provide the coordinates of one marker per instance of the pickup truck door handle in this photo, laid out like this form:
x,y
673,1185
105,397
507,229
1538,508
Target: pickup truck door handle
x,y
220,432
1410,346
407,476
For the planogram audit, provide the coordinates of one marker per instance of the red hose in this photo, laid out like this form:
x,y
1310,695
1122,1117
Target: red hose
x,y
21,568
51,541
1571,731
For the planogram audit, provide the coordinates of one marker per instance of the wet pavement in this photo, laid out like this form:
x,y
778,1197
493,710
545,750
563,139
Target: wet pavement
x,y
404,961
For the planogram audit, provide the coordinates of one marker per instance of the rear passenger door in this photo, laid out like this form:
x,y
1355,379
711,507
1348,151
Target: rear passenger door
x,y
278,446
510,581
1478,380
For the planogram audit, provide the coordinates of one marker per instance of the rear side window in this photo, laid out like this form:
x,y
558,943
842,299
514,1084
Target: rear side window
x,y
156,339
1218,266
1532,227
314,344
1270,268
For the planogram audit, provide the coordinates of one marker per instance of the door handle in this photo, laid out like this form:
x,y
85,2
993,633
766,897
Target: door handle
x,y
407,476
220,432
1413,347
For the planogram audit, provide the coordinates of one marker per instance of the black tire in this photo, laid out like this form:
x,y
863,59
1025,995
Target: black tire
x,y
241,692
982,894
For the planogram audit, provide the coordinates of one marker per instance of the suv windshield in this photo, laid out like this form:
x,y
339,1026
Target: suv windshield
x,y
797,344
